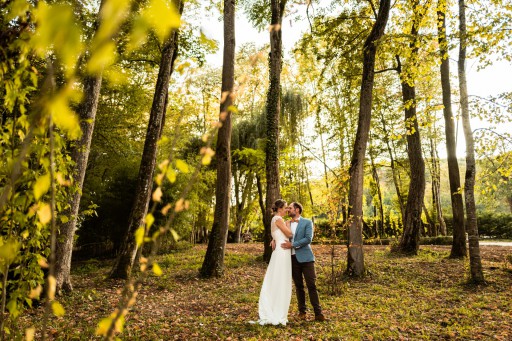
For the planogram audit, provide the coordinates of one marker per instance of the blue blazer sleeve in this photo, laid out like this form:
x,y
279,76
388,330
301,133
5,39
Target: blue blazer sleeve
x,y
307,237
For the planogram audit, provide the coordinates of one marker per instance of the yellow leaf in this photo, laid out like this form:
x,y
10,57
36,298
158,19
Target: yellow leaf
x,y
52,286
103,326
150,219
113,12
44,213
162,16
182,166
36,292
171,175
139,235
30,333
42,262
157,194
162,165
157,270
233,109
41,186
175,235
63,117
180,205
58,309
104,56
56,29
165,209
18,9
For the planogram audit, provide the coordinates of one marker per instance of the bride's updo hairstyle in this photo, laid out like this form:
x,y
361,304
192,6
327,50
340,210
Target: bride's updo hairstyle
x,y
279,203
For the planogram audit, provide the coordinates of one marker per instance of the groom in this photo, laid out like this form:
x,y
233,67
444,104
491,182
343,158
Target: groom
x,y
303,261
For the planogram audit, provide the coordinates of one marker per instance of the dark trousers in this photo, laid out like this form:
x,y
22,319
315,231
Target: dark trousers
x,y
306,271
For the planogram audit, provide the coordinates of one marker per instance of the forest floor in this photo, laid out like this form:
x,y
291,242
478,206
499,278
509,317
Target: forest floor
x,y
425,297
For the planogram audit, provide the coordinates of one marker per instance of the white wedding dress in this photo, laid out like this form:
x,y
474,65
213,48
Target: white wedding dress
x,y
276,291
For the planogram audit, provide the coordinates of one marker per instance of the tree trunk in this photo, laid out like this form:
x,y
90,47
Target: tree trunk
x,y
355,257
125,260
394,172
410,241
240,209
80,154
436,189
272,129
459,234
379,228
213,264
475,261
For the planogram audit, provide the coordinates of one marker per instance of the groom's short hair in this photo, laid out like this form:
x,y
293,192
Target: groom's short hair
x,y
297,205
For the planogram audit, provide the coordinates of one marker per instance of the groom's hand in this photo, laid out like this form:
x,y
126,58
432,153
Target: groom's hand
x,y
273,244
286,245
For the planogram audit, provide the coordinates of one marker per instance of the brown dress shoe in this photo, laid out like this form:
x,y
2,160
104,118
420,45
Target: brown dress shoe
x,y
320,318
302,316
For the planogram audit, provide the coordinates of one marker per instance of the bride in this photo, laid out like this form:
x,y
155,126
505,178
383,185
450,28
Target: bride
x,y
276,291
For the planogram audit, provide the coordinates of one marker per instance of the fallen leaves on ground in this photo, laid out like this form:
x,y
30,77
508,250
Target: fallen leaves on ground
x,y
401,298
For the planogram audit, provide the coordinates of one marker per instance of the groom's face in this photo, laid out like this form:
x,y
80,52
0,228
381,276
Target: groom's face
x,y
292,212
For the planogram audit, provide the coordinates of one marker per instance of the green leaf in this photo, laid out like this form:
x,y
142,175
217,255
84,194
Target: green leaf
x,y
209,42
8,250
12,306
58,309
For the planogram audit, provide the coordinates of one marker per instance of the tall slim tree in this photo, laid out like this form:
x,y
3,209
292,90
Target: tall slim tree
x,y
475,261
410,241
273,113
213,264
355,256
80,154
125,260
459,233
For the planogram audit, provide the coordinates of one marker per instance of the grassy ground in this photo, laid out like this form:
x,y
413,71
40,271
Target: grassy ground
x,y
402,298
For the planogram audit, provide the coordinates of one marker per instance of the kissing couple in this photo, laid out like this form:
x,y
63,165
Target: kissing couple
x,y
292,257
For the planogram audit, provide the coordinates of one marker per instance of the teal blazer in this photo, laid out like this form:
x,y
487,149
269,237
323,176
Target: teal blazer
x,y
302,241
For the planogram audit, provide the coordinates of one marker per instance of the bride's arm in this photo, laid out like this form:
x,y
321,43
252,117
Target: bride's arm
x,y
284,227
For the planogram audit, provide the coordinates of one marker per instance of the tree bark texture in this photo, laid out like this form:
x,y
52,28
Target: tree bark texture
x,y
475,261
410,241
80,154
125,260
459,233
272,122
213,264
355,257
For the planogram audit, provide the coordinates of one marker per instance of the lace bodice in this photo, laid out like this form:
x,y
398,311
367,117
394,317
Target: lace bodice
x,y
277,234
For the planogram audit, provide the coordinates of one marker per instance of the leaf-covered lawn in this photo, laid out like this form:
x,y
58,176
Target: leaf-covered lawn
x,y
410,298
